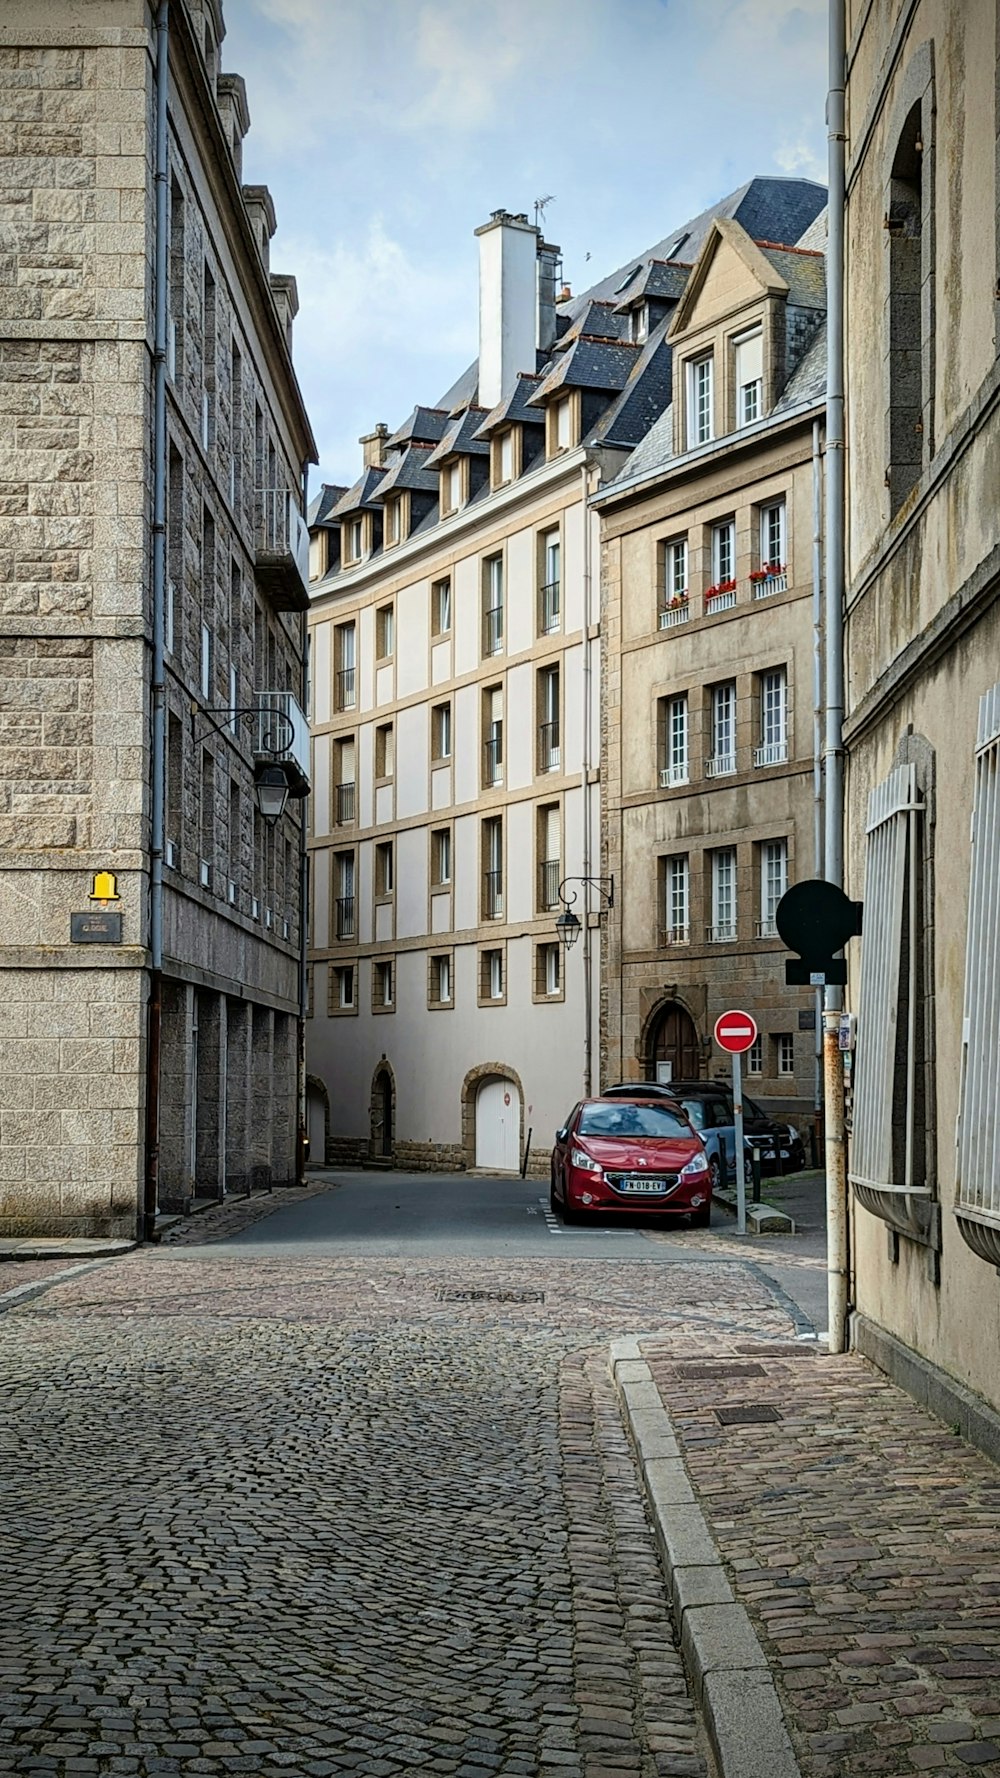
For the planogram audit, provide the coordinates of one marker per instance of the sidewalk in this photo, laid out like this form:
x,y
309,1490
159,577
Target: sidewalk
x,y
858,1535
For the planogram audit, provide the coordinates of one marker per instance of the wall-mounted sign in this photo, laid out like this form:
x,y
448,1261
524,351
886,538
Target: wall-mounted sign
x,y
97,928
104,886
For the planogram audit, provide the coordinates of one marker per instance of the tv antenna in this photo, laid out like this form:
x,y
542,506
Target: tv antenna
x,y
540,204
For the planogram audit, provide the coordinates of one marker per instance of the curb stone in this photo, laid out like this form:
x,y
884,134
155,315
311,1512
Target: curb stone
x,y
728,1668
23,1293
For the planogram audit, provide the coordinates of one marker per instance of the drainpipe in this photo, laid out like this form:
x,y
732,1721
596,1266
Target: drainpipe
x,y
588,1007
302,1131
817,606
158,685
833,754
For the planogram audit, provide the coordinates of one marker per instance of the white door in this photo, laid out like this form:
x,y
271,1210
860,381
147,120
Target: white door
x,y
498,1125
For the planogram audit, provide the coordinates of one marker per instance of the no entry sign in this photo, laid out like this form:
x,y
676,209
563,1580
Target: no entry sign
x,y
735,1032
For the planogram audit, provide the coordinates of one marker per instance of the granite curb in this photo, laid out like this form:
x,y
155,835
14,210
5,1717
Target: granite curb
x,y
729,1672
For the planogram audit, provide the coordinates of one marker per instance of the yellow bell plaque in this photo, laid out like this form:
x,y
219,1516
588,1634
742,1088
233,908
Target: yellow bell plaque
x,y
105,887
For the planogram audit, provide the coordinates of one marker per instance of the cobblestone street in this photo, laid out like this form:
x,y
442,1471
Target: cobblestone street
x,y
332,1517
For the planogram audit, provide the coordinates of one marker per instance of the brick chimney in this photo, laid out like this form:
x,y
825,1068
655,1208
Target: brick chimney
x,y
373,446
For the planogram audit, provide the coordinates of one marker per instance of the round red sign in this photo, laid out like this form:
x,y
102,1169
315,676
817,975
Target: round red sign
x,y
735,1032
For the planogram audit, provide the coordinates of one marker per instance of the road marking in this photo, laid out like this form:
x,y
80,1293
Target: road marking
x,y
552,1222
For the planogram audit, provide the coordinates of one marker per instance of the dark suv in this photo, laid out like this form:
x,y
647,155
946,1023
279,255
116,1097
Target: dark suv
x,y
709,1106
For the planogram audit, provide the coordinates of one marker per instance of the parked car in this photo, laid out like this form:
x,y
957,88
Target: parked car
x,y
613,1157
709,1106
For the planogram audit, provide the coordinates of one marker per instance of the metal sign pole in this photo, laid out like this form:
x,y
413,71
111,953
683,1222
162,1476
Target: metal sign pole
x,y
741,1183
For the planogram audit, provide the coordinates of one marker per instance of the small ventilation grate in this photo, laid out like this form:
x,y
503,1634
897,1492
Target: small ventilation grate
x,y
490,1296
748,1415
720,1370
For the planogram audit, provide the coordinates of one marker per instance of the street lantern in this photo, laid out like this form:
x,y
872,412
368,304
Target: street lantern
x,y
271,791
568,928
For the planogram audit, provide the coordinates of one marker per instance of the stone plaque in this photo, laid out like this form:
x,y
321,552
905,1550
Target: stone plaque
x,y
807,1019
95,929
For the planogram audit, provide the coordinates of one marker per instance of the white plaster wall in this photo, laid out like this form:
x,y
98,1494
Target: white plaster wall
x,y
383,804
507,303
363,892
519,727
412,743
411,882
520,855
441,662
321,784
465,869
412,624
465,743
519,592
365,658
466,615
572,568
322,671
384,684
366,774
441,788
571,692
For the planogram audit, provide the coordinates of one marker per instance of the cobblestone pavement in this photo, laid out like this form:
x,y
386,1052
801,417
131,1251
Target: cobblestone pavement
x,y
16,1272
328,1516
861,1534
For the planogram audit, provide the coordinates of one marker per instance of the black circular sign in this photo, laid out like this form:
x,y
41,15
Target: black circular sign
x,y
816,919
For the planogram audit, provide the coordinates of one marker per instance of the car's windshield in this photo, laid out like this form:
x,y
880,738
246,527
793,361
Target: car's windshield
x,y
631,1120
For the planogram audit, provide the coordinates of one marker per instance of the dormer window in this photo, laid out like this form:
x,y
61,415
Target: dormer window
x,y
700,382
639,324
749,354
562,420
353,540
504,458
394,529
451,487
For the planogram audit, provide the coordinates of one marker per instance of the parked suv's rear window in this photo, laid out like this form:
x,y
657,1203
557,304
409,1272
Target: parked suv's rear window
x,y
631,1120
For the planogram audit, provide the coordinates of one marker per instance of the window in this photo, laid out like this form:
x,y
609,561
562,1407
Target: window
x,y
723,557
344,904
441,856
385,751
773,749
548,720
909,428
344,781
548,971
346,689
562,423
674,744
353,533
978,1199
341,995
749,354
206,661
638,323
385,632
175,319
723,927
393,521
441,731
451,487
440,980
505,457
550,596
382,985
236,430
493,868
492,736
441,607
784,1052
491,975
207,819
384,868
699,402
773,883
772,541
493,605
722,759
549,856
673,581
755,1056
888,1070
676,900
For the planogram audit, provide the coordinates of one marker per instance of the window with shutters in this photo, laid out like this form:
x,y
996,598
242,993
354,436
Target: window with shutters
x,y
888,1150
749,355
978,1197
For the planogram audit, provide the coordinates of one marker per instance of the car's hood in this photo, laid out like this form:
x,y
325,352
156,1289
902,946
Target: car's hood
x,y
641,1153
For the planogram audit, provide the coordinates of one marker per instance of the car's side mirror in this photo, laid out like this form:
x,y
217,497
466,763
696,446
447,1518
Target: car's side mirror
x,y
562,1134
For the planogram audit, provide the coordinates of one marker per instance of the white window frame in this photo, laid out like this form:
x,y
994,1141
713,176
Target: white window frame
x,y
676,752
749,389
677,899
553,972
442,606
773,749
755,1056
772,532
722,761
773,883
724,895
442,857
385,632
891,864
563,424
700,400
495,988
206,661
505,456
675,570
784,1045
978,1160
723,551
345,986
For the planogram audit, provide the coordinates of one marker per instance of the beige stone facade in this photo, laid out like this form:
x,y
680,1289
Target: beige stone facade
x,y
707,711
77,342
922,658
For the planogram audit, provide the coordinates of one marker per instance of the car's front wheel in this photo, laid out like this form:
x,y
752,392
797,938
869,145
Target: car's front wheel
x,y
715,1174
554,1205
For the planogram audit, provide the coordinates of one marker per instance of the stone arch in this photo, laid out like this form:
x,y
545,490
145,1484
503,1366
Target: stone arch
x,y
382,1112
316,1090
470,1087
689,1060
909,232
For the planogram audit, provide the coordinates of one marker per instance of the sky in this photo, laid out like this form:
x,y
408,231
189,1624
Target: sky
x,y
388,130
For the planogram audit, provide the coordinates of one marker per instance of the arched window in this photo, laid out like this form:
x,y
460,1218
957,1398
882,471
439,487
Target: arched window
x,y
909,229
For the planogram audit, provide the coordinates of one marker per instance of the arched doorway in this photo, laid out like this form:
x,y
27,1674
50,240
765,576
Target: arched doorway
x,y
317,1113
382,1107
498,1125
673,1040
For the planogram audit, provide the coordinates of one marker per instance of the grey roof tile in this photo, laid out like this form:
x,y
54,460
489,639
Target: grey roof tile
x,y
408,470
360,495
513,408
424,425
807,382
658,278
460,438
804,272
642,400
589,364
322,504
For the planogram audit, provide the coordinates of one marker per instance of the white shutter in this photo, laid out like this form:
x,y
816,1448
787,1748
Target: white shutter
x,y
979,1127
891,847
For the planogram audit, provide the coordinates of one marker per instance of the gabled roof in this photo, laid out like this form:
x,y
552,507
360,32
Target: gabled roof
x,y
653,452
408,470
803,271
322,504
728,233
425,424
360,496
663,278
513,409
459,438
589,364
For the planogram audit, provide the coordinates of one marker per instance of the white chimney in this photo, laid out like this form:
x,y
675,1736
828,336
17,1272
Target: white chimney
x,y
508,250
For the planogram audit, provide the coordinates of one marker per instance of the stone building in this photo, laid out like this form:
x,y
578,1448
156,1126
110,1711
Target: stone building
x,y
923,696
151,627
457,650
709,805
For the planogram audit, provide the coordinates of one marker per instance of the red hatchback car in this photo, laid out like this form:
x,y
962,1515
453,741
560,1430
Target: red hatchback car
x,y
639,1155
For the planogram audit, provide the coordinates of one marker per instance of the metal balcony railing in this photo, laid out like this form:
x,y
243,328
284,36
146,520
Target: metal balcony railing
x,y
493,760
770,583
550,606
675,935
670,776
282,549
674,611
766,928
773,753
282,732
548,889
493,630
722,933
345,688
548,746
493,894
720,765
345,804
344,916
723,600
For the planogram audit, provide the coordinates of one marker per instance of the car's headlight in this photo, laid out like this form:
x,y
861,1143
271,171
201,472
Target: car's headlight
x,y
697,1165
579,1159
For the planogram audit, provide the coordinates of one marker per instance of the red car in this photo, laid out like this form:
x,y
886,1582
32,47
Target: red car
x,y
639,1155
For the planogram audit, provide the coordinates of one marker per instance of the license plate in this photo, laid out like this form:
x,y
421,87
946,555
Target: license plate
x,y
642,1185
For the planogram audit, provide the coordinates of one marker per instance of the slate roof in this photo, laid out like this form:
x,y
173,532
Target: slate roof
x,y
461,436
589,364
663,278
425,424
599,320
652,452
815,235
647,388
514,409
803,271
322,504
408,470
807,382
359,496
